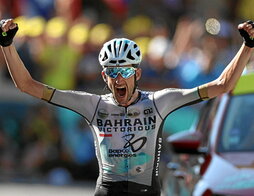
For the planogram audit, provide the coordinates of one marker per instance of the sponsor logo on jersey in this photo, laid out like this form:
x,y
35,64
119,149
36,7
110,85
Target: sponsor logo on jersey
x,y
158,156
127,125
133,113
139,169
102,113
148,111
132,145
120,153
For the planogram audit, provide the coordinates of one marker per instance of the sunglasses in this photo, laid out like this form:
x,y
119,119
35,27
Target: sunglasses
x,y
125,72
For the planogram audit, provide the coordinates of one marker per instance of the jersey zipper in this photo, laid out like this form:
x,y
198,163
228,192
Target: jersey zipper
x,y
126,160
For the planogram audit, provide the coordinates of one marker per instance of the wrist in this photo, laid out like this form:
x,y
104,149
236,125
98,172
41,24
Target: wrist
x,y
249,45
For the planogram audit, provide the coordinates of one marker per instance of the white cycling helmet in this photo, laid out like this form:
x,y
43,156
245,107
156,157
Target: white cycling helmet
x,y
120,52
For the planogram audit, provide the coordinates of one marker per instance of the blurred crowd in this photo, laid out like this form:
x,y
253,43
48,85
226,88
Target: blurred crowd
x,y
184,43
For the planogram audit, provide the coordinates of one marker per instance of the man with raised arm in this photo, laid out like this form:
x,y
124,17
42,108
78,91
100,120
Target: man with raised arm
x,y
126,122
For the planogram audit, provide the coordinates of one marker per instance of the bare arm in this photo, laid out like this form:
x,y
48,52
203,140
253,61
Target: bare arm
x,y
232,72
20,75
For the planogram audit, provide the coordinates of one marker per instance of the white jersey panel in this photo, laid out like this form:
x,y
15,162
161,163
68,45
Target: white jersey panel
x,y
80,102
168,100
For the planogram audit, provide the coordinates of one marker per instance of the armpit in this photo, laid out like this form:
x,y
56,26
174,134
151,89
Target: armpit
x,y
48,93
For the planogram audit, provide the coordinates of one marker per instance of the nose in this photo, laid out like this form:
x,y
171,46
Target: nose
x,y
119,78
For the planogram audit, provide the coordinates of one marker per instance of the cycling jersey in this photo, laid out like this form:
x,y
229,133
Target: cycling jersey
x,y
128,140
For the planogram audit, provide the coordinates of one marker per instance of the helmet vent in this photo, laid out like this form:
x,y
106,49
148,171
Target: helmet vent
x,y
112,61
115,45
109,48
120,44
122,61
129,56
135,45
125,47
105,56
138,53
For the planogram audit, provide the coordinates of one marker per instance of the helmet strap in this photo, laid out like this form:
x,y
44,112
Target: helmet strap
x,y
135,86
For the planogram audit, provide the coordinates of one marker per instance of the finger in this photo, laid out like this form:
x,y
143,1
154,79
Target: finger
x,y
7,25
246,25
251,32
13,26
9,21
242,25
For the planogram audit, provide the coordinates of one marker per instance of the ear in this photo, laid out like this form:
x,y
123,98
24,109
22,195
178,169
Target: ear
x,y
104,77
138,73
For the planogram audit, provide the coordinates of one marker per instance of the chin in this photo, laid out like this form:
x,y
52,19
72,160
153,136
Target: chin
x,y
122,101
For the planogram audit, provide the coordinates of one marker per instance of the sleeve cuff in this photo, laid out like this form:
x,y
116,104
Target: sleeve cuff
x,y
202,91
48,93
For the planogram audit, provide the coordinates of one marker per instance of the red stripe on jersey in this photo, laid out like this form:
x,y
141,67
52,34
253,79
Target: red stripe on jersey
x,y
105,135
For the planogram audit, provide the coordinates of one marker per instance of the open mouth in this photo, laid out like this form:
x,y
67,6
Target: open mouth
x,y
121,92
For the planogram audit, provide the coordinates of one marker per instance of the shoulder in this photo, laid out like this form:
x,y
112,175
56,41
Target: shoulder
x,y
176,93
73,95
166,91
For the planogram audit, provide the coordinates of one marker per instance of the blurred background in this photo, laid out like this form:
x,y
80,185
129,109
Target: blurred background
x,y
184,43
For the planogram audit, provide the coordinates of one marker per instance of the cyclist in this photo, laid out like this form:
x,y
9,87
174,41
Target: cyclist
x,y
126,122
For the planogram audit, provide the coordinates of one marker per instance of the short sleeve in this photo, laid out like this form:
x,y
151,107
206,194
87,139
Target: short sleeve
x,y
168,100
81,102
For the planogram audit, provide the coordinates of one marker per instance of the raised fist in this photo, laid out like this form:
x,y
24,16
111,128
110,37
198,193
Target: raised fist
x,y
246,30
8,30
